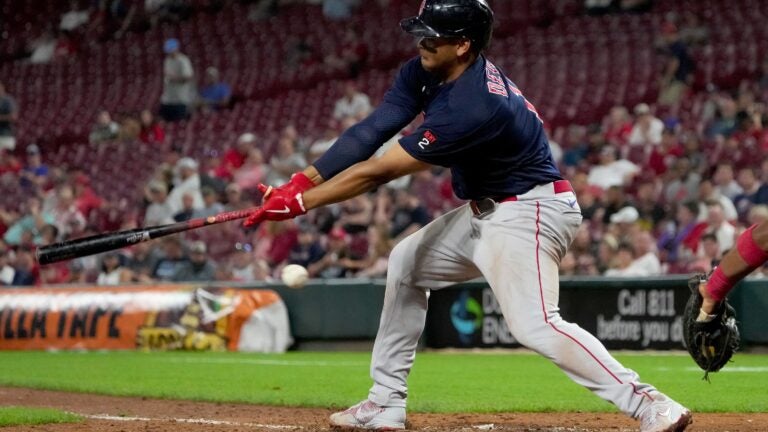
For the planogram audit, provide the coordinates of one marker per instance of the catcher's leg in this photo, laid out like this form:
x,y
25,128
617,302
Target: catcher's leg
x,y
751,252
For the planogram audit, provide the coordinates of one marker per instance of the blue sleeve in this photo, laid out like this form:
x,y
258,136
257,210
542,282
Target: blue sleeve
x,y
401,104
448,133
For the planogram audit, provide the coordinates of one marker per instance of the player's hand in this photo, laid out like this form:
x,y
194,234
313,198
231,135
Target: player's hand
x,y
299,183
279,206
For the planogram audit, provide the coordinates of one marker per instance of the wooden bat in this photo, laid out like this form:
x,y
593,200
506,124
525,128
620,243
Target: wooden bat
x,y
115,240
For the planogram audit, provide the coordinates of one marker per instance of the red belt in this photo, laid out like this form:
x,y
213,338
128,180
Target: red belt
x,y
559,186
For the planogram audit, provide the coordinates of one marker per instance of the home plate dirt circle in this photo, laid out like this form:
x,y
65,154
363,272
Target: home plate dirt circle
x,y
133,414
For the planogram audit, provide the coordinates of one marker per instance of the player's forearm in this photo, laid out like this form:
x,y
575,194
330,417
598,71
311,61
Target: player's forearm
x,y
358,179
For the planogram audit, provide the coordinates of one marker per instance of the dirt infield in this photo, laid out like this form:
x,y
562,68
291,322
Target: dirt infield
x,y
125,414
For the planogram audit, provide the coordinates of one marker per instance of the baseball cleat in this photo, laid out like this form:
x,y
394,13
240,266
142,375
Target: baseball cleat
x,y
664,415
368,415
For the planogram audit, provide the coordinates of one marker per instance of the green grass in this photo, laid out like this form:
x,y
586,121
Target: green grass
x,y
15,416
438,383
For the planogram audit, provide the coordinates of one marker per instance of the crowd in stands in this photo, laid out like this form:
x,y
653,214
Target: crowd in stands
x,y
664,186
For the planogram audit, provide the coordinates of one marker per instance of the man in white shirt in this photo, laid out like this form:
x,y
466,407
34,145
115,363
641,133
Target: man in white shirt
x,y
647,129
352,104
178,83
189,183
610,171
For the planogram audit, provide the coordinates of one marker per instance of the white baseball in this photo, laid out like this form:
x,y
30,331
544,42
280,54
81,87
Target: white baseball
x,y
294,275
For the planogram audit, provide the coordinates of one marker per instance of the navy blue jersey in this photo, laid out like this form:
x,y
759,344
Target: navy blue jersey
x,y
480,126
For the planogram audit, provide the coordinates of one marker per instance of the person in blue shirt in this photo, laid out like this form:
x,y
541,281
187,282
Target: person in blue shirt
x,y
215,94
519,221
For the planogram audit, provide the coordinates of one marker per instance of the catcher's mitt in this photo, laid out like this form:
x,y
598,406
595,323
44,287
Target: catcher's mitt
x,y
711,343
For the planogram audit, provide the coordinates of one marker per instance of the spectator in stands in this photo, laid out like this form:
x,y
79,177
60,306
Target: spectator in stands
x,y
719,226
74,18
754,192
34,175
710,252
242,263
408,215
151,130
215,94
611,171
113,271
236,155
178,83
188,183
646,261
9,115
725,117
32,221
43,48
158,211
25,270
623,223
142,261
211,204
66,215
681,182
707,192
356,214
171,260
374,264
679,240
319,146
677,72
273,242
584,249
248,176
198,268
725,181
646,201
352,104
105,129
285,162
647,129
235,200
334,263
617,126
130,128
619,264
663,156
308,249
9,165
187,210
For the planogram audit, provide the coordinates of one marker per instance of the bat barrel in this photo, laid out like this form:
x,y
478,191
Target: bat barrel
x,y
116,240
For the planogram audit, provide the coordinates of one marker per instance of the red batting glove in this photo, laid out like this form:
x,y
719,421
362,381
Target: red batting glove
x,y
299,183
277,207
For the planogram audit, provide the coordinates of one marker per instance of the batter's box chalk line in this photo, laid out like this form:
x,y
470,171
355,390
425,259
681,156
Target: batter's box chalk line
x,y
201,421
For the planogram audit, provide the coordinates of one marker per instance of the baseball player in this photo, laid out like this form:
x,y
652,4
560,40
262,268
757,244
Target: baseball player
x,y
751,252
520,217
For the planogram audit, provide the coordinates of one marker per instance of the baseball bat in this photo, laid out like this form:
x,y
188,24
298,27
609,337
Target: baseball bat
x,y
115,240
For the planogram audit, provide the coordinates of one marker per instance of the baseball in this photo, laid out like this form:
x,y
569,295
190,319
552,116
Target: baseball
x,y
294,276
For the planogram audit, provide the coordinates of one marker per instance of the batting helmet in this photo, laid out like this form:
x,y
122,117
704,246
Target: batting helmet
x,y
472,19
